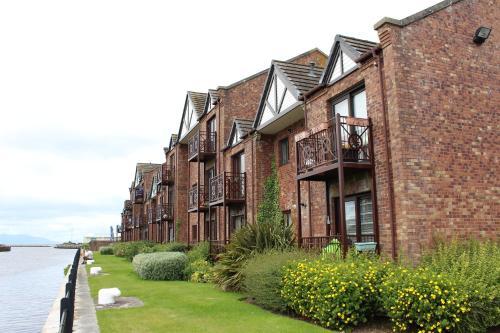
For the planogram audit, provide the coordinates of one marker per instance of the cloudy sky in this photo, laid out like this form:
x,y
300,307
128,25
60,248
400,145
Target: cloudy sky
x,y
88,88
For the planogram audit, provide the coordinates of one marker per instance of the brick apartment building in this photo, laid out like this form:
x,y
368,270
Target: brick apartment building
x,y
390,142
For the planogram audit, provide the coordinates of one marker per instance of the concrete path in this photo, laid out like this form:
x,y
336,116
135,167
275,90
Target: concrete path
x,y
85,318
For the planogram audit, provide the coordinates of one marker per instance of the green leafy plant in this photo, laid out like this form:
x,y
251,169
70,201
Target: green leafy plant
x,y
106,250
337,294
269,232
263,275
419,299
130,249
198,268
160,265
475,269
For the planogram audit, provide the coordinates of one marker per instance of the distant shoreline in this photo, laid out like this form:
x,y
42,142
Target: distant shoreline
x,y
34,245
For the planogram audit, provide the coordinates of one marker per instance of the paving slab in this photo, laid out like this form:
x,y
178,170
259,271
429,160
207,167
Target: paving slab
x,y
85,317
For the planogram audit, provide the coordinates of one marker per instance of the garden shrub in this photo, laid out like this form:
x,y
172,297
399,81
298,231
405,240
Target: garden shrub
x,y
421,300
475,268
262,277
269,232
201,271
337,294
160,265
106,250
130,249
176,247
198,268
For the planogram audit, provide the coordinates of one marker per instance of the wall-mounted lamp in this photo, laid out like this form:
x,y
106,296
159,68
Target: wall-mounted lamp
x,y
303,205
482,33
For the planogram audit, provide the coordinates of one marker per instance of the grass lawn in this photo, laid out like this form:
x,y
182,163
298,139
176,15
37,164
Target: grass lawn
x,y
182,306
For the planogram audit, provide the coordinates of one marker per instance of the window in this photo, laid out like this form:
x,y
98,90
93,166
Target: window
x,y
352,104
342,65
194,233
171,232
284,151
359,218
237,218
287,218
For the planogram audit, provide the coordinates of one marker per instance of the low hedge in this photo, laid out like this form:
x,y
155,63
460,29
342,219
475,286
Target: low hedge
x,y
336,295
424,301
262,277
106,250
160,265
130,249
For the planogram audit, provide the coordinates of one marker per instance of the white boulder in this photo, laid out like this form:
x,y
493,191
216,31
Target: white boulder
x,y
107,296
90,262
95,270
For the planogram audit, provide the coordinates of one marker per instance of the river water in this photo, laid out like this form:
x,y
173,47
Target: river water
x,y
30,278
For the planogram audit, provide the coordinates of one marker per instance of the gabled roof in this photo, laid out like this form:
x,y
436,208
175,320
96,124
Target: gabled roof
x,y
351,47
142,168
198,100
173,140
265,70
297,78
302,78
240,127
212,99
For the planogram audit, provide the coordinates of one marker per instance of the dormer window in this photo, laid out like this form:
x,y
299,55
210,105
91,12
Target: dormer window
x,y
278,98
188,121
342,65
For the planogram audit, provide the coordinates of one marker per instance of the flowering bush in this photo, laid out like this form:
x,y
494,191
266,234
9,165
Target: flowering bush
x,y
336,295
422,300
160,265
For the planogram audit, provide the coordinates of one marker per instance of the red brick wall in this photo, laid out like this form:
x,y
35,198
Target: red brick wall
x,y
443,93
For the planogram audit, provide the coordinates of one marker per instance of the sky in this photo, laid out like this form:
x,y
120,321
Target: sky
x,y
89,88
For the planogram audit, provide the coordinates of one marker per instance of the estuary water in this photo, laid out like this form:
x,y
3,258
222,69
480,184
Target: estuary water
x,y
30,278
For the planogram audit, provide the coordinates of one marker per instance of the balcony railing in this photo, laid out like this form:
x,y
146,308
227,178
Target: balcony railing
x,y
202,145
138,195
127,205
228,186
322,243
164,212
332,244
167,174
197,200
320,146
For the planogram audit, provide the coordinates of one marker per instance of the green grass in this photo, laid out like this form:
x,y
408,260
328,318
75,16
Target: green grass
x,y
182,306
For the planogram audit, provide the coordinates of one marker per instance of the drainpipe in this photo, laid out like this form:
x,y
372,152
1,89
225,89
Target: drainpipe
x,y
377,54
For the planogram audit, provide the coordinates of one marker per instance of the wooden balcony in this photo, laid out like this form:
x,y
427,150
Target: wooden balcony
x,y
138,195
202,146
197,200
167,174
227,188
164,212
318,149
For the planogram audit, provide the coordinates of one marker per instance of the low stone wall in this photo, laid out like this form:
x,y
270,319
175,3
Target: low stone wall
x,y
94,245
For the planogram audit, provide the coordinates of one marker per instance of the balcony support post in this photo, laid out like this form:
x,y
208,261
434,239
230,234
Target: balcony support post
x,y
374,185
341,184
199,192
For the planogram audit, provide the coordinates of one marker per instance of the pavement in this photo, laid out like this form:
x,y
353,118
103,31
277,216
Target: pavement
x,y
85,320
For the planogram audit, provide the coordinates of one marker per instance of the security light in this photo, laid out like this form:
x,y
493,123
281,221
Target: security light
x,y
481,35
